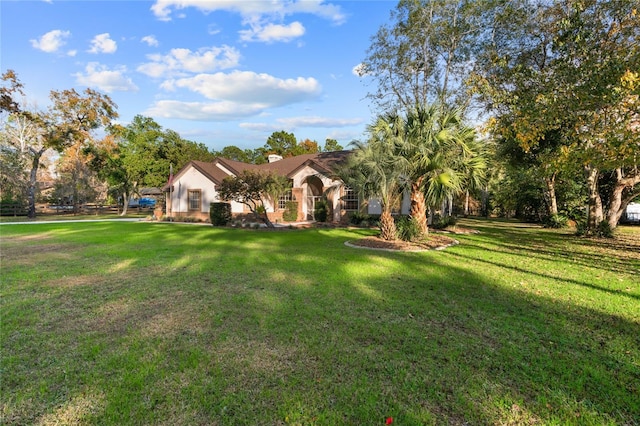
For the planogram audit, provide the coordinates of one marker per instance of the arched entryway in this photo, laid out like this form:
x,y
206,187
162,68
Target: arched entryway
x,y
312,192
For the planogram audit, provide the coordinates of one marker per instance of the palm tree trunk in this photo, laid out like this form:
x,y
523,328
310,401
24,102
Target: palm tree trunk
x,y
387,226
466,203
418,206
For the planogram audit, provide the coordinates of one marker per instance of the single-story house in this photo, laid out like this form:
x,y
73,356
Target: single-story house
x,y
194,187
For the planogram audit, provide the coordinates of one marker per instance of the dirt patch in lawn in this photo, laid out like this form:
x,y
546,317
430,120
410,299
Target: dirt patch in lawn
x,y
433,242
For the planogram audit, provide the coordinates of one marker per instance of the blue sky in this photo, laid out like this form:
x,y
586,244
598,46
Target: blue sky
x,y
217,72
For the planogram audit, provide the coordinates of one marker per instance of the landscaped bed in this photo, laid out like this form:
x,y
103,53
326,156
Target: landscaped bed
x,y
159,323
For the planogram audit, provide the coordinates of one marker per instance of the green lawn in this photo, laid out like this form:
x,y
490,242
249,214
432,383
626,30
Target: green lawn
x,y
173,324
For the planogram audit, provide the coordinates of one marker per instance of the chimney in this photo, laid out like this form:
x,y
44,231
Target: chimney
x,y
274,157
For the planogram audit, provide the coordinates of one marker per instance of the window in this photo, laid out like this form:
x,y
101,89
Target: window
x,y
195,197
284,199
350,200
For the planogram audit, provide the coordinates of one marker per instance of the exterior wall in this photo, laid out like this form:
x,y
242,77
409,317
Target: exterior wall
x,y
301,191
177,204
178,201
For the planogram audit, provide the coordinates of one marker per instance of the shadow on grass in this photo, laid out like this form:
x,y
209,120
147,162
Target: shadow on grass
x,y
209,326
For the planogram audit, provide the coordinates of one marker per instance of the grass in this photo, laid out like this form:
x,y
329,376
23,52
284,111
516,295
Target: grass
x,y
155,323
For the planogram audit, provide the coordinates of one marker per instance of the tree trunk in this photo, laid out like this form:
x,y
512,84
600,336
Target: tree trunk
x,y
266,220
552,201
125,203
594,211
387,226
485,201
418,206
33,182
466,203
618,203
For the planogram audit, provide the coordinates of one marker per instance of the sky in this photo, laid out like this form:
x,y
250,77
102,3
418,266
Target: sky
x,y
219,72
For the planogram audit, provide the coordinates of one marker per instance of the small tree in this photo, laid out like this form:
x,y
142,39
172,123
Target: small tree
x,y
252,188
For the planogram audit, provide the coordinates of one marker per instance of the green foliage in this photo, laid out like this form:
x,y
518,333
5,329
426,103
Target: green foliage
x,y
442,222
252,188
280,143
581,227
604,230
360,219
555,221
220,214
422,56
321,211
332,145
290,213
408,228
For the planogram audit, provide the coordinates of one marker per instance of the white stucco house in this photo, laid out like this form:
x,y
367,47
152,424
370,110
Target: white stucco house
x,y
194,187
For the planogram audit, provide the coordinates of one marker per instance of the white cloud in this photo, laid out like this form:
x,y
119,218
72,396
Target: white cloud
x,y
203,111
178,61
261,127
150,40
292,123
101,77
272,32
72,53
102,43
249,87
315,121
51,41
233,96
163,8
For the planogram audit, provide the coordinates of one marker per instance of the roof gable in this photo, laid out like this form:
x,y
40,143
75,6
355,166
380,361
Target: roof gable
x,y
220,168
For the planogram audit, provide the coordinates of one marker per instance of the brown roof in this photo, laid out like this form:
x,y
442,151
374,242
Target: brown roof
x,y
325,161
321,161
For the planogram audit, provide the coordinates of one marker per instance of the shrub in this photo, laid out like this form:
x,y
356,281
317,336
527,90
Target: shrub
x,y
555,221
604,230
290,213
321,211
358,218
407,228
440,222
220,214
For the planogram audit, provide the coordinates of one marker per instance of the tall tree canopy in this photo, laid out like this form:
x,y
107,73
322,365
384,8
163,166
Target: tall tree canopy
x,y
571,68
141,154
71,119
424,56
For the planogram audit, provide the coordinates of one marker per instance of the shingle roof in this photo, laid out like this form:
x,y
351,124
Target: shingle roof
x,y
325,161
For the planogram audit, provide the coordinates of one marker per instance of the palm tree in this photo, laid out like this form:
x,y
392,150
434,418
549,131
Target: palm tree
x,y
376,172
437,148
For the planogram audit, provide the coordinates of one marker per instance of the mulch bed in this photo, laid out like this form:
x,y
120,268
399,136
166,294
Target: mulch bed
x,y
433,242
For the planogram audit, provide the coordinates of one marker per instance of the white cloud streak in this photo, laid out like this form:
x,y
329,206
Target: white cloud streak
x,y
249,87
235,95
150,40
52,41
180,61
105,79
203,111
270,33
252,9
102,43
